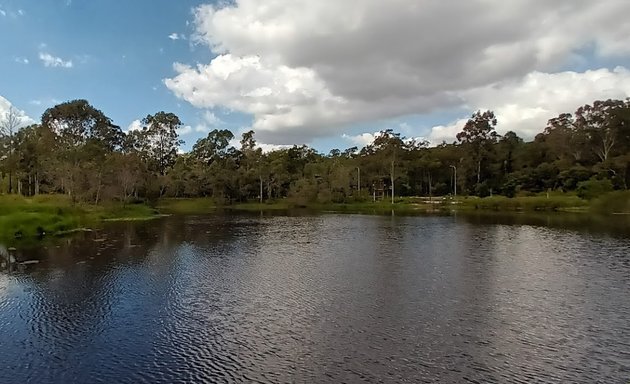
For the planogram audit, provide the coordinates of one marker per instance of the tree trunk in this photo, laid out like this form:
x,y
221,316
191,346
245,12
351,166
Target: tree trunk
x,y
479,171
98,189
392,181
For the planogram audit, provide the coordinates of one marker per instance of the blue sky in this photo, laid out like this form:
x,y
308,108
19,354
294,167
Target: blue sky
x,y
120,53
327,73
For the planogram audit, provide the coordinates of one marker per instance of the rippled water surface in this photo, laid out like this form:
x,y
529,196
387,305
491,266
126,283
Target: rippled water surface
x,y
327,298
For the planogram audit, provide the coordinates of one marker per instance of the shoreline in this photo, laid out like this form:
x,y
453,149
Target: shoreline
x,y
55,215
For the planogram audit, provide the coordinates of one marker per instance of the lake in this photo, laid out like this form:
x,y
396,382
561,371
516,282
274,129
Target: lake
x,y
323,298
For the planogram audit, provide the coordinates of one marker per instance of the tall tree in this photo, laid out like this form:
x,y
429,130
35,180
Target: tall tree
x,y
604,123
8,127
85,138
214,146
162,140
478,136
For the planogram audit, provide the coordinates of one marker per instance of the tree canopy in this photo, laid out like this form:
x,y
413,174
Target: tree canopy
x,y
79,151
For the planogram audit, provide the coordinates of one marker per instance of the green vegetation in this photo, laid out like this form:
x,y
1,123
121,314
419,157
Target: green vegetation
x,y
617,202
187,206
77,167
56,214
526,203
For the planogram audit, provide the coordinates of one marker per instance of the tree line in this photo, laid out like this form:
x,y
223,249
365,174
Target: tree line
x,y
77,150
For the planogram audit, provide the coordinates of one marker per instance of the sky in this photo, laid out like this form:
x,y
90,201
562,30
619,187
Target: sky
x,y
326,73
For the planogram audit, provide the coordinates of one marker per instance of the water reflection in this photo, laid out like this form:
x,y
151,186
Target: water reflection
x,y
320,298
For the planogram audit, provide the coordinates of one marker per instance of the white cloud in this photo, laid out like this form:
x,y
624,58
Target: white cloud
x,y
5,105
266,148
21,60
525,105
361,140
185,130
201,128
176,36
305,68
446,133
364,139
212,119
3,12
53,61
135,125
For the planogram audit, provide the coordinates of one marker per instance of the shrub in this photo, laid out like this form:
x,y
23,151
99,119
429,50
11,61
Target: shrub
x,y
593,188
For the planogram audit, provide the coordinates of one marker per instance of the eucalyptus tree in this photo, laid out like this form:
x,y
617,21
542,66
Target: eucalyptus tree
x,y
386,153
162,140
9,126
478,137
86,137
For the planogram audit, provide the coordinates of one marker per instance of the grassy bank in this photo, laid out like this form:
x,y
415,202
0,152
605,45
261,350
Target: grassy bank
x,y
525,203
54,214
403,205
187,205
436,204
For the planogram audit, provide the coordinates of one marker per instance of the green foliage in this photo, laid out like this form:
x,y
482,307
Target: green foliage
x,y
186,206
78,152
593,188
613,202
531,203
51,214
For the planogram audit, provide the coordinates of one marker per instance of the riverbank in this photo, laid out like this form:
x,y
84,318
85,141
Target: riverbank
x,y
568,203
55,214
50,215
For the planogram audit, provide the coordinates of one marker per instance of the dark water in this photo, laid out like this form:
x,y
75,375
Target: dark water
x,y
328,298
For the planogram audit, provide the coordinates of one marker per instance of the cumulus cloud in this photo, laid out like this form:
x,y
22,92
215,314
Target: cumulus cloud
x,y
303,68
53,61
525,105
361,140
5,106
135,125
21,60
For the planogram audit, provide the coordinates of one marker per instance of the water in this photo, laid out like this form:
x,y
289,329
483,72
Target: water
x,y
325,298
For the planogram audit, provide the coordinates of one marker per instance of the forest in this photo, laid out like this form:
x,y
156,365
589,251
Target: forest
x,y
78,151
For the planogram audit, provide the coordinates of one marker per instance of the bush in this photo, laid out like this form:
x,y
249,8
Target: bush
x,y
533,203
613,202
593,188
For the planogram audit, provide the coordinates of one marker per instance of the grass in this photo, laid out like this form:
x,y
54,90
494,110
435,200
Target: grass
x,y
525,203
401,205
187,206
617,202
55,214
29,217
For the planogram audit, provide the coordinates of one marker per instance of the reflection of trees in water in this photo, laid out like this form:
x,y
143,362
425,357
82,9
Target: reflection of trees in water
x,y
613,225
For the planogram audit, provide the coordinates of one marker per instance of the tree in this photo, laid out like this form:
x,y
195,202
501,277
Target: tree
x,y
478,136
386,149
162,140
86,137
8,127
603,123
214,146
252,162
